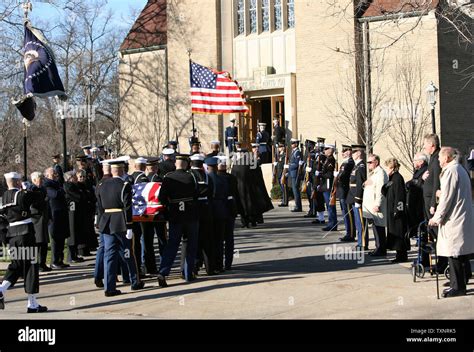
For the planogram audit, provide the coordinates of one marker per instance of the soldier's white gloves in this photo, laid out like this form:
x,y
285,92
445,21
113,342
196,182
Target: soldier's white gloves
x,y
336,173
308,169
275,164
317,173
129,234
286,167
357,205
301,162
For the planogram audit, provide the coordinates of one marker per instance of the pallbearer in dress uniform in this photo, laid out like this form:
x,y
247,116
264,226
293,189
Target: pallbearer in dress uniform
x,y
264,142
179,193
231,136
138,176
356,194
279,133
114,198
195,145
343,187
280,168
15,215
215,149
308,159
205,237
167,164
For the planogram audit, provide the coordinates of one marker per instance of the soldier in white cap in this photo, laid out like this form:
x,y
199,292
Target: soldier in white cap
x,y
16,213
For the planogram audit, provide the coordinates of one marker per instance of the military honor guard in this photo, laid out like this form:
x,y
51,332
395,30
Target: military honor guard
x,y
343,187
356,194
306,187
279,170
294,167
114,198
327,173
179,193
264,143
316,182
231,136
15,214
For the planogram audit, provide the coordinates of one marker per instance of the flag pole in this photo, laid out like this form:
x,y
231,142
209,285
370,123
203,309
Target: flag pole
x,y
189,50
27,7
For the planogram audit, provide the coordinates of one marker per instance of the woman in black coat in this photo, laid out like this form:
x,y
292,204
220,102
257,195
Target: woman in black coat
x,y
395,193
75,201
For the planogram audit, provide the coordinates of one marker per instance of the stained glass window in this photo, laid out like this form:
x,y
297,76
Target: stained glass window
x,y
253,16
241,17
291,13
278,15
265,15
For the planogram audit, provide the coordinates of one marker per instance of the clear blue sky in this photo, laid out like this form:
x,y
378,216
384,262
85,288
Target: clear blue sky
x,y
120,8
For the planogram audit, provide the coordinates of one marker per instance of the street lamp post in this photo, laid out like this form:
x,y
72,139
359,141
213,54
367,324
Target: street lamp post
x,y
432,91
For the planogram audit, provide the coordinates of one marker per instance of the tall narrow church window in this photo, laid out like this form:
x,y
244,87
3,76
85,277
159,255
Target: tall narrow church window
x,y
278,15
291,13
241,17
253,16
265,15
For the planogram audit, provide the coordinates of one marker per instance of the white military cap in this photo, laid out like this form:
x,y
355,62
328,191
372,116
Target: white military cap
x,y
232,119
329,146
222,159
215,142
294,140
12,176
262,124
168,151
255,144
197,157
140,160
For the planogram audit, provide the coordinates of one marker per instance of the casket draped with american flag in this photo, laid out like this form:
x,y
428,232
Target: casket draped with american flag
x,y
146,205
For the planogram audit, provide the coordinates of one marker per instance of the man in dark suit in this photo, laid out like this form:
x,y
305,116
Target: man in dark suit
x,y
415,203
431,185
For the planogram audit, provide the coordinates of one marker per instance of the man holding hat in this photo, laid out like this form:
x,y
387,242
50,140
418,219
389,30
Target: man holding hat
x,y
16,214
114,198
264,142
231,136
57,168
179,193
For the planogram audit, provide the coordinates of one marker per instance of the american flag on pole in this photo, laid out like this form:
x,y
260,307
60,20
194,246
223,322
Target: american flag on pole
x,y
215,92
145,202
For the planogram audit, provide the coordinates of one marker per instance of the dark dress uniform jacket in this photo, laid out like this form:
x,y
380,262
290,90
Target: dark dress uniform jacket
x,y
395,193
165,167
294,162
139,177
231,135
356,184
432,183
344,178
179,193
16,207
59,228
279,133
114,193
263,138
329,167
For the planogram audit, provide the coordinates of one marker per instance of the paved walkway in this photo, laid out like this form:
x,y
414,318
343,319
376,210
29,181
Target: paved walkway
x,y
280,272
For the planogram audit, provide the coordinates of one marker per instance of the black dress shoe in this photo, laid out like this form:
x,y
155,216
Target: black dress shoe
x,y
99,283
162,281
77,260
318,222
59,266
347,239
138,286
253,224
400,260
330,229
309,215
39,309
297,211
2,301
377,253
112,293
282,205
45,269
453,293
447,284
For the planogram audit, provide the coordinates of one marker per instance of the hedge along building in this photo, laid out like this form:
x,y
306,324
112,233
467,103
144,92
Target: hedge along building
x,y
324,68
